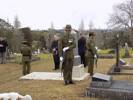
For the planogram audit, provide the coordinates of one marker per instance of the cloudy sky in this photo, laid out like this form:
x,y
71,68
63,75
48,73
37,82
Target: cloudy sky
x,y
39,14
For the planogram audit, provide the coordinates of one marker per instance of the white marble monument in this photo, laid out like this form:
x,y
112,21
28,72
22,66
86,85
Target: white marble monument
x,y
78,74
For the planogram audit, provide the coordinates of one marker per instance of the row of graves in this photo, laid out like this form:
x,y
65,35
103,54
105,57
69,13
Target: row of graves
x,y
102,86
105,87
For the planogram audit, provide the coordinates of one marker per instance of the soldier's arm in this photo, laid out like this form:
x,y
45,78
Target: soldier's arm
x,y
92,47
60,47
73,45
30,52
87,44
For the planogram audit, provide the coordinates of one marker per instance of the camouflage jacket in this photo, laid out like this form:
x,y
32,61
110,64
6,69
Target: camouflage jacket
x,y
26,53
67,41
90,47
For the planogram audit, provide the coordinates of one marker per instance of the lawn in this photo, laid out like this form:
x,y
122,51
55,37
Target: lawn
x,y
49,90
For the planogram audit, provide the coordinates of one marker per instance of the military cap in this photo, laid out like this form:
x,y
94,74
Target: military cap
x,y
91,33
25,42
68,27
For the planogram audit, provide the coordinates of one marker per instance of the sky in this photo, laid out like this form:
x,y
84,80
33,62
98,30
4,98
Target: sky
x,y
39,14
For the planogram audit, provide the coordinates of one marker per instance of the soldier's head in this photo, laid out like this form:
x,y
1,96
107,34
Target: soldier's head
x,y
68,28
91,34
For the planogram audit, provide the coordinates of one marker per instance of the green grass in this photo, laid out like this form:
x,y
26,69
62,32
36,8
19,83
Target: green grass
x,y
122,52
17,58
107,51
50,89
44,56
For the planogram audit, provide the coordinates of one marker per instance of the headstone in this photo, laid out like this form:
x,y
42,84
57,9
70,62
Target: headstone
x,y
38,51
76,56
49,76
101,80
119,90
78,71
126,50
75,35
76,60
104,87
122,62
101,77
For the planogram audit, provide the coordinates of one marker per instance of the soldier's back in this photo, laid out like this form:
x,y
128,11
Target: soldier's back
x,y
26,50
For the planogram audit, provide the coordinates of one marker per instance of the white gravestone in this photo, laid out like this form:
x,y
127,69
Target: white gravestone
x,y
78,71
126,50
78,74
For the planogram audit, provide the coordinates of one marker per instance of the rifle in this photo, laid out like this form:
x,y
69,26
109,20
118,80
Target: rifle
x,y
62,64
96,60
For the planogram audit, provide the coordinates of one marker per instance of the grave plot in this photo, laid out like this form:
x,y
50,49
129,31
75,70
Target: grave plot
x,y
104,87
124,67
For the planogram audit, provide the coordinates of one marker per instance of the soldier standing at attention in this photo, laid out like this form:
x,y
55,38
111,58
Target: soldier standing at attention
x,y
66,46
26,50
3,50
91,52
26,57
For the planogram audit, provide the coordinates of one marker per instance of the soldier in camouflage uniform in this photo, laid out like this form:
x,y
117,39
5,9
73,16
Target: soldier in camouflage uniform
x,y
66,46
26,57
91,52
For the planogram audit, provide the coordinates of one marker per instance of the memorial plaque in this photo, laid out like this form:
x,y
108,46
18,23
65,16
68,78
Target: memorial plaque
x,y
119,90
78,71
76,60
101,77
122,62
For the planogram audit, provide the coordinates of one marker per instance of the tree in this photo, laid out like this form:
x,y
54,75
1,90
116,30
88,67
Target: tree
x,y
17,38
122,18
17,23
50,36
91,25
81,27
42,42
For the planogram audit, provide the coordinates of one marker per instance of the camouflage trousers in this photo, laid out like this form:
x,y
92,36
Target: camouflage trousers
x,y
26,67
67,69
90,65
